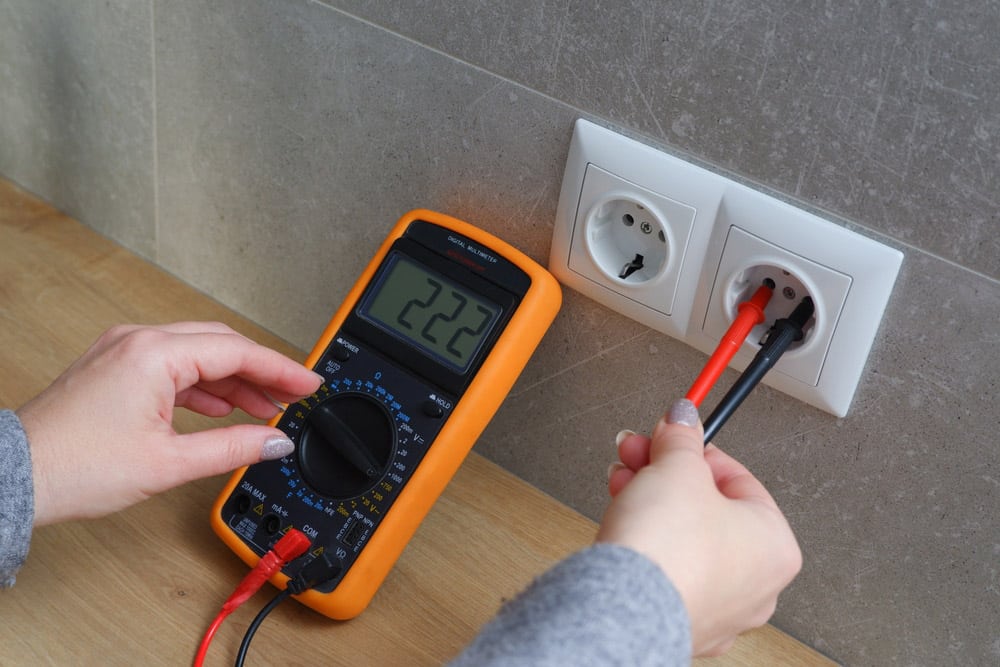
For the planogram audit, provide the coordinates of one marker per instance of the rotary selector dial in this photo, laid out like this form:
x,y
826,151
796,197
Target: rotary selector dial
x,y
346,446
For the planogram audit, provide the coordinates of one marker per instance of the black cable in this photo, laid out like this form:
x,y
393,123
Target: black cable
x,y
318,571
785,331
252,630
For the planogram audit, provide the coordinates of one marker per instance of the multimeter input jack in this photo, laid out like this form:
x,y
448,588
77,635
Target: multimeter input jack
x,y
271,524
243,503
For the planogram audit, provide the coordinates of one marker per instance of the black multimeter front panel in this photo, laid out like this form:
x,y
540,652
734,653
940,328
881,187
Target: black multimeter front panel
x,y
394,371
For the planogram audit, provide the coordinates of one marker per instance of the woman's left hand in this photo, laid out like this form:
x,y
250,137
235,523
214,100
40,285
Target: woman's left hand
x,y
102,435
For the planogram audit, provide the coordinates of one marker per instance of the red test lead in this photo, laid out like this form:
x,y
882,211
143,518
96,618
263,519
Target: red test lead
x,y
751,313
292,544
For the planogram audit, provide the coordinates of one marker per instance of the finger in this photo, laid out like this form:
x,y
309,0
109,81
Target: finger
x,y
618,478
679,430
202,402
116,333
195,327
633,450
210,357
237,393
222,450
283,397
733,479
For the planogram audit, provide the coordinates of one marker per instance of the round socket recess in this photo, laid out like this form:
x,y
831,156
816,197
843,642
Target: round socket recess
x,y
627,239
614,246
789,290
746,261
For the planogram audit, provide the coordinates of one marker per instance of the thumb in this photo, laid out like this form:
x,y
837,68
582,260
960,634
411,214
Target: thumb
x,y
222,450
734,480
678,430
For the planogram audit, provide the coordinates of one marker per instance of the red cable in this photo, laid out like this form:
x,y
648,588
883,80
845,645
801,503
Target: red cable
x,y
199,658
751,313
292,544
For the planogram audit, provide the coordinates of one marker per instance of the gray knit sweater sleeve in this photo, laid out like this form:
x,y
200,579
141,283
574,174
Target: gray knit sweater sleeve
x,y
17,500
606,605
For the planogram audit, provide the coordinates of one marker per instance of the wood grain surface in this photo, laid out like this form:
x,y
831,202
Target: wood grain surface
x,y
139,587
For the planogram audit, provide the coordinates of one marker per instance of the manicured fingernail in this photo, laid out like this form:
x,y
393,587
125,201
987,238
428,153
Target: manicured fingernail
x,y
683,412
275,447
319,377
624,433
614,467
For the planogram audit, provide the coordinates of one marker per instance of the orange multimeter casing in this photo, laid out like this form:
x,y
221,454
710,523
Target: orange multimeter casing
x,y
416,360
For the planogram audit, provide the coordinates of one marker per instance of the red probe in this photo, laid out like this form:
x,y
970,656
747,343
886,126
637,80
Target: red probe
x,y
751,313
291,545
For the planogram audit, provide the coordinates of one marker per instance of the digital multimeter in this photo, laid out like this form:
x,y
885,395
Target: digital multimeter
x,y
416,361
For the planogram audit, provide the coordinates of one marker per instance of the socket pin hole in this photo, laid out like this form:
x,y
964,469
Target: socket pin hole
x,y
618,229
663,238
788,290
632,266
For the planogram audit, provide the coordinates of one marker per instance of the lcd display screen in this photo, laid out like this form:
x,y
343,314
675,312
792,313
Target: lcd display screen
x,y
430,312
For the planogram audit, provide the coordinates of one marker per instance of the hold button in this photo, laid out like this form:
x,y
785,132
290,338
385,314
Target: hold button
x,y
432,409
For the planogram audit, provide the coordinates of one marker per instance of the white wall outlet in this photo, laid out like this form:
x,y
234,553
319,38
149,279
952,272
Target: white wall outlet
x,y
630,238
748,260
617,204
719,241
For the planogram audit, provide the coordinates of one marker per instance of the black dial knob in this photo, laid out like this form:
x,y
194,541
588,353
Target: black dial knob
x,y
346,445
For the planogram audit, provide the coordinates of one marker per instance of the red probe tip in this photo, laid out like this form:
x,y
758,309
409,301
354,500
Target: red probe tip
x,y
750,314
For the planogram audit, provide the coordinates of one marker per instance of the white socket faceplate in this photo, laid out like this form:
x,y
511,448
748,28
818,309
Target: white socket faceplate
x,y
729,228
595,255
827,288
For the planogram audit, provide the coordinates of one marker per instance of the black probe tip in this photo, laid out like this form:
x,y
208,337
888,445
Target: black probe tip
x,y
803,312
784,332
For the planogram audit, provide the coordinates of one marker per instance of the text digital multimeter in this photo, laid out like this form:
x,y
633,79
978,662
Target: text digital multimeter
x,y
417,360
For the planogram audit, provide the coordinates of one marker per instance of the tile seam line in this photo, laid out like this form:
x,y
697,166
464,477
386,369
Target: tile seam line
x,y
950,262
838,219
432,49
516,392
155,132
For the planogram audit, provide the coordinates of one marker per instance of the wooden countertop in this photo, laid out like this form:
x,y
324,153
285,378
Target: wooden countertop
x,y
139,587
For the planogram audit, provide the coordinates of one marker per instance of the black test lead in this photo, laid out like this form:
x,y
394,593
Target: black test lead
x,y
785,331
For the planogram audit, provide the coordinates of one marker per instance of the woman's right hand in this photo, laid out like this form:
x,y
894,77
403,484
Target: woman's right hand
x,y
707,522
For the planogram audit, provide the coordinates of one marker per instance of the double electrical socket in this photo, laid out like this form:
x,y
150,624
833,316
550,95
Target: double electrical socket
x,y
678,247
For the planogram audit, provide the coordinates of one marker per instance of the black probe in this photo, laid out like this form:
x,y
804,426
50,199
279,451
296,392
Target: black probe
x,y
785,331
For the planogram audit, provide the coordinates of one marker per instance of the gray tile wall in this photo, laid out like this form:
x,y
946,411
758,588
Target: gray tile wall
x,y
76,111
275,142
